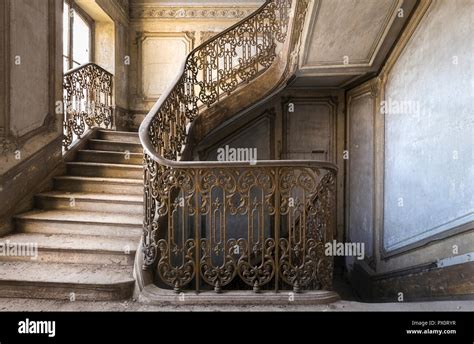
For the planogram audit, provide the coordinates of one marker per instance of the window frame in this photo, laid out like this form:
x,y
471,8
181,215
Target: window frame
x,y
90,23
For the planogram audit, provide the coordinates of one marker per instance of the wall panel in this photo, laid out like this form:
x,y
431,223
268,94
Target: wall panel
x,y
160,56
429,128
360,166
30,74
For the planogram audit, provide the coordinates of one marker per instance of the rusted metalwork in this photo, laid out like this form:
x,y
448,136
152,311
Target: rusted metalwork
x,y
87,101
228,225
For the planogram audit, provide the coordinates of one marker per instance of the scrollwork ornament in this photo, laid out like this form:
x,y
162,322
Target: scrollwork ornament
x,y
87,101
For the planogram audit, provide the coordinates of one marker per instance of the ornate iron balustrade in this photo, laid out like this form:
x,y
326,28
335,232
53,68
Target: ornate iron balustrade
x,y
284,211
87,101
234,224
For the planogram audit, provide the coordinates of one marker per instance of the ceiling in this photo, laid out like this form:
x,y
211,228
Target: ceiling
x,y
345,40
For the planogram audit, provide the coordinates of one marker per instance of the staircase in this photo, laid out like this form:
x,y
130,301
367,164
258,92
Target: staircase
x,y
86,229
230,225
89,227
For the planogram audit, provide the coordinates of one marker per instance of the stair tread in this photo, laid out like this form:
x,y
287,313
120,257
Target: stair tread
x,y
76,242
82,216
131,133
103,179
105,164
117,142
121,198
39,272
96,151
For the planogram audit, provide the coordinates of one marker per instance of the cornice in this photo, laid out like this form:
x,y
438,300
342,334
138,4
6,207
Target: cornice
x,y
148,11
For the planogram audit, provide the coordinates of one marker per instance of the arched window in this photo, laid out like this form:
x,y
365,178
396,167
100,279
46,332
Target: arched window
x,y
78,30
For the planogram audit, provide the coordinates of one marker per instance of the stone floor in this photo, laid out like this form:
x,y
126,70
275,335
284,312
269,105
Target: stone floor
x,y
52,305
348,303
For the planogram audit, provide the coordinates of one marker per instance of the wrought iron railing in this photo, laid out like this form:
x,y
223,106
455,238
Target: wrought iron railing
x,y
87,101
259,224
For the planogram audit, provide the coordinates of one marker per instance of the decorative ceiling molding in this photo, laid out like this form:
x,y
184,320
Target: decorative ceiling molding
x,y
147,11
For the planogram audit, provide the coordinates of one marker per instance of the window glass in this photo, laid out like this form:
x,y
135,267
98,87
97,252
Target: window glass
x,y
66,30
76,38
81,36
66,63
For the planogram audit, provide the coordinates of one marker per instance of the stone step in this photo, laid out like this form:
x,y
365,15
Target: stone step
x,y
80,223
72,249
96,169
114,146
109,203
110,157
122,136
79,282
99,185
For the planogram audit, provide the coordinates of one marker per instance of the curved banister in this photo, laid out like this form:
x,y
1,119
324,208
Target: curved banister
x,y
150,150
145,125
211,72
144,131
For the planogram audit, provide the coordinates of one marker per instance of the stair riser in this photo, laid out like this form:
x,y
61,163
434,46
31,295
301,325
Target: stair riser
x,y
115,136
60,291
111,158
48,203
97,187
74,228
115,146
75,257
107,172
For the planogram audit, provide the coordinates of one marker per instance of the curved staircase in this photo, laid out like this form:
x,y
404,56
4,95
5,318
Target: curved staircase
x,y
241,228
86,229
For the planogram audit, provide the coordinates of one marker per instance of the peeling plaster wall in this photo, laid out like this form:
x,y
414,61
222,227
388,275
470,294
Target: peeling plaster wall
x,y
360,179
104,41
32,78
121,65
30,150
410,133
429,128
29,88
